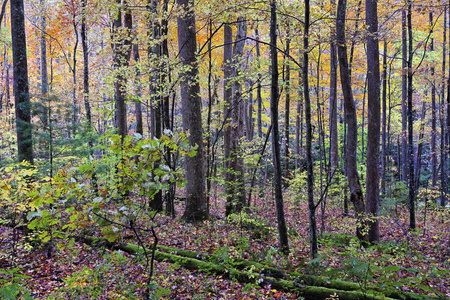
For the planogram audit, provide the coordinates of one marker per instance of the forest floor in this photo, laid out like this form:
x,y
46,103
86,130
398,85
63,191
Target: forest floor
x,y
409,261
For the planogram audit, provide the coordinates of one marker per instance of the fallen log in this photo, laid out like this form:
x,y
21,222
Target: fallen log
x,y
288,285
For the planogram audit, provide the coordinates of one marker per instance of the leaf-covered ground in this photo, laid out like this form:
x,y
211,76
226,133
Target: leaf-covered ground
x,y
416,262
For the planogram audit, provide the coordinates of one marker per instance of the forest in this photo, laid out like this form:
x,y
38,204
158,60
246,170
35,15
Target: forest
x,y
188,149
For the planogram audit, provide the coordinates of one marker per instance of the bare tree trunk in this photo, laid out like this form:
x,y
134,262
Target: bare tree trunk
x,y
287,106
350,117
237,119
433,117
122,53
228,106
404,97
274,99
412,213
196,206
418,156
138,103
373,126
44,73
87,106
21,88
334,147
309,159
441,113
383,131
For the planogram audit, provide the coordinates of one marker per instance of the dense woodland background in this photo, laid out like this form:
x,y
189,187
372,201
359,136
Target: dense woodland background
x,y
263,141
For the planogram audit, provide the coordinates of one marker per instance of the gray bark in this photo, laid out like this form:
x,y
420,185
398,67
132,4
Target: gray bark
x,y
196,205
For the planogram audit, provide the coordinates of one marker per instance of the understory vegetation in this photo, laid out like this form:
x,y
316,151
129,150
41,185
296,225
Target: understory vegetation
x,y
62,239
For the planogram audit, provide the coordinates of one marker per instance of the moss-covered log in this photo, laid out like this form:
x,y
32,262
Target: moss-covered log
x,y
309,292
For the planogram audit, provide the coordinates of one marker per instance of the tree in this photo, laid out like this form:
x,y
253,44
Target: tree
x,y
309,159
122,52
274,99
350,117
196,206
21,88
334,153
373,126
235,161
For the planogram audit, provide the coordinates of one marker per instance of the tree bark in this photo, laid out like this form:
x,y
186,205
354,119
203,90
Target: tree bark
x,y
350,117
412,213
274,99
138,103
287,106
228,106
84,44
309,159
334,147
122,53
373,125
404,168
433,117
196,206
237,120
44,73
383,130
21,87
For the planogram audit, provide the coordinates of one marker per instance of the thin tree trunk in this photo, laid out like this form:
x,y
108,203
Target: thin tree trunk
x,y
228,106
74,79
404,97
441,113
309,159
137,102
274,99
287,106
433,117
383,130
334,147
418,156
44,73
412,213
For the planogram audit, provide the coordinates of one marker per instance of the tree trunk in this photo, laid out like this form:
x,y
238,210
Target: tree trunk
x,y
258,86
21,88
228,106
412,213
441,113
274,99
309,159
373,125
383,131
334,147
84,44
418,156
404,168
196,206
44,73
350,117
237,120
155,88
433,117
122,53
138,103
287,105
